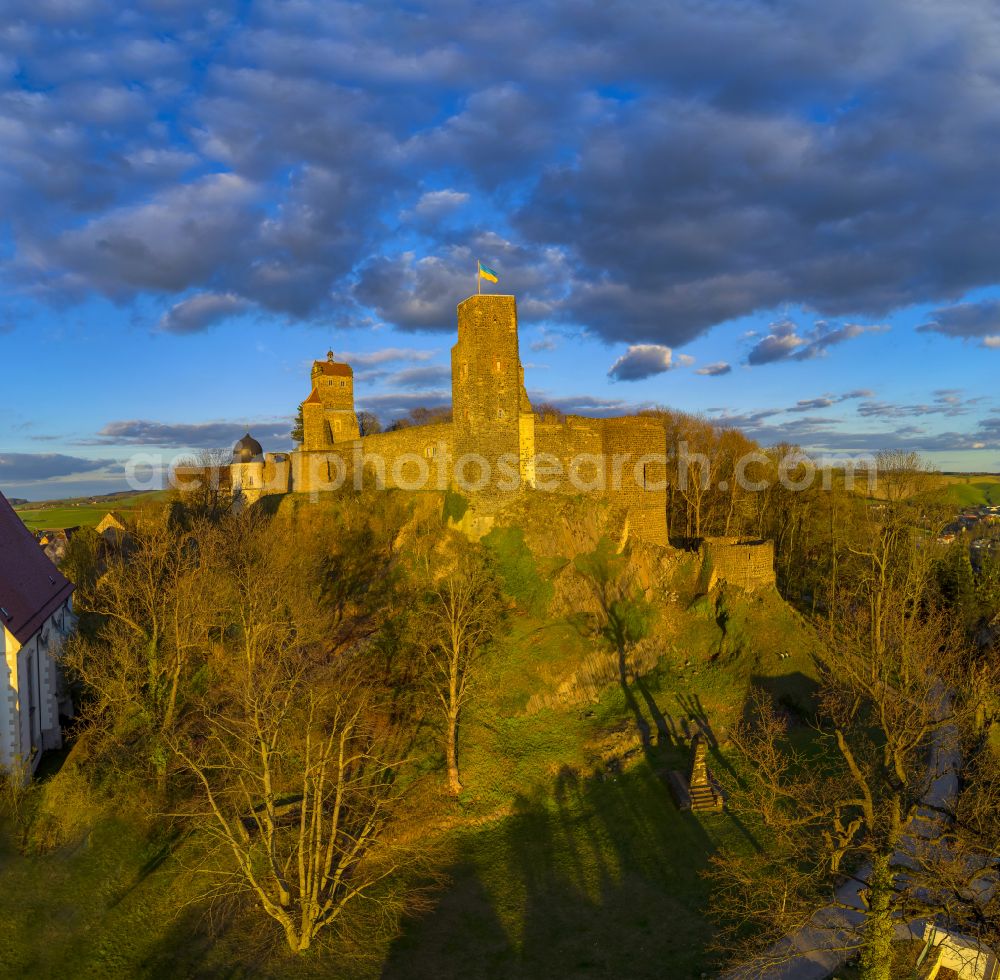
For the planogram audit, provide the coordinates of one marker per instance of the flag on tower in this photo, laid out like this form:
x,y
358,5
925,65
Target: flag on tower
x,y
486,273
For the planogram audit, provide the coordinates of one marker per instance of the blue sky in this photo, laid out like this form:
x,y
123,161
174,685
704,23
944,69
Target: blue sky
x,y
782,216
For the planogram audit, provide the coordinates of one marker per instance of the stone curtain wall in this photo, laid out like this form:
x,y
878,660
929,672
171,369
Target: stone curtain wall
x,y
575,435
747,564
641,482
418,457
624,477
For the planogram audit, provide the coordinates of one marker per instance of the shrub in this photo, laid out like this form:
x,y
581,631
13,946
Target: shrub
x,y
66,810
517,569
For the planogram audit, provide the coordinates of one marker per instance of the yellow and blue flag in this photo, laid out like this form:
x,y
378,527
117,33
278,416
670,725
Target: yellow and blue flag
x,y
486,273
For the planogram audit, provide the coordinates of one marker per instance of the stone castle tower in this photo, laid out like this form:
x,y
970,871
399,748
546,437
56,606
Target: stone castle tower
x,y
328,414
492,416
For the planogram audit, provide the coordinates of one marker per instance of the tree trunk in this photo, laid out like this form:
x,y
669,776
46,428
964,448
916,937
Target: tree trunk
x,y
876,948
454,783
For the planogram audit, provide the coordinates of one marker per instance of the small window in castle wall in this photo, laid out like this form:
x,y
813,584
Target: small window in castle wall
x,y
500,414
329,383
343,384
428,451
499,366
464,370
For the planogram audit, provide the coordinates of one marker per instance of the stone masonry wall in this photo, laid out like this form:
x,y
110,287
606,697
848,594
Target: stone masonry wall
x,y
486,391
747,564
635,449
418,457
623,474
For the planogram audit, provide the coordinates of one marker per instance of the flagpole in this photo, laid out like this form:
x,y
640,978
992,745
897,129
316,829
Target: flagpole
x,y
479,280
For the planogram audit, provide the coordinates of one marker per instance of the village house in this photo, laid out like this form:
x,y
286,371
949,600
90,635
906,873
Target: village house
x,y
35,617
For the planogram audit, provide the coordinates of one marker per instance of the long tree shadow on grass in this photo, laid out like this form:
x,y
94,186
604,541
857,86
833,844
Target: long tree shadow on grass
x,y
794,693
600,877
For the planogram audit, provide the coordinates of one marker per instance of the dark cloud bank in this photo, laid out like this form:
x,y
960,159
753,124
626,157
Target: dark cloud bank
x,y
643,171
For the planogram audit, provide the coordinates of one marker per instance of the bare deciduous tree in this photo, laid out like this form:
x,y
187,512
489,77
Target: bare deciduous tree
x,y
870,811
463,614
151,598
297,780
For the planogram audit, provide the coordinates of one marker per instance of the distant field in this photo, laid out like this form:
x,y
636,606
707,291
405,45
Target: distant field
x,y
957,489
67,513
972,491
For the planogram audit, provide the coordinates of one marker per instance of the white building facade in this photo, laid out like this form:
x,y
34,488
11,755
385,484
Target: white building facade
x,y
35,618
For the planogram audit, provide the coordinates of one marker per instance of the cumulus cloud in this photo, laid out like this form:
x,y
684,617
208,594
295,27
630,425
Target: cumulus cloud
x,y
434,205
421,292
968,321
201,312
775,346
545,341
750,166
715,370
783,341
642,361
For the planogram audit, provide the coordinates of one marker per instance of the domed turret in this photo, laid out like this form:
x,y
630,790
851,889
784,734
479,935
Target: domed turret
x,y
248,450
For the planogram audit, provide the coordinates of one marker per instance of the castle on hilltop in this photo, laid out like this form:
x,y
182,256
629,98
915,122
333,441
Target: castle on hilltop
x,y
494,447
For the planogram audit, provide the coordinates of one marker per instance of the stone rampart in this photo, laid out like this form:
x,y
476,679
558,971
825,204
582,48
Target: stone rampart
x,y
414,458
746,563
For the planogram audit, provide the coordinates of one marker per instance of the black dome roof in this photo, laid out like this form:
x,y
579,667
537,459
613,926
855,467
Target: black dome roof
x,y
247,450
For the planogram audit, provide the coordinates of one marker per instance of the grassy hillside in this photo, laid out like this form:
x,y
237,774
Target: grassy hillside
x,y
564,856
82,512
972,491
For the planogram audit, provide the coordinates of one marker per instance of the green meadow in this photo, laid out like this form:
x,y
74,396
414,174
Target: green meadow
x,y
81,512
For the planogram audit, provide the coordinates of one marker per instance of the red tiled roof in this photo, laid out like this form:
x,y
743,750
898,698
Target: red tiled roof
x,y
313,398
333,367
31,587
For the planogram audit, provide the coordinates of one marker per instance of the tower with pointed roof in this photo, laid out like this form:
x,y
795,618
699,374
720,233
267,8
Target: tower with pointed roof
x,y
328,414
